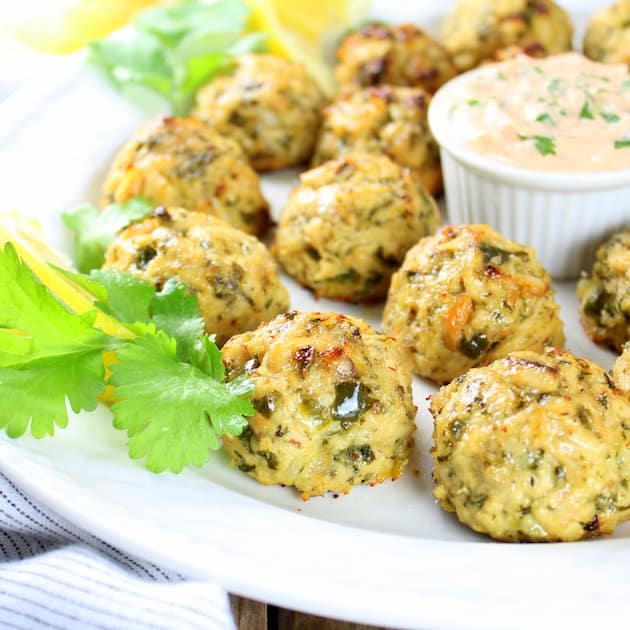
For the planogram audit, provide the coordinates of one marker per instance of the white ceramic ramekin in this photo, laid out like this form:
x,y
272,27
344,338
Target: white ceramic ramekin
x,y
564,215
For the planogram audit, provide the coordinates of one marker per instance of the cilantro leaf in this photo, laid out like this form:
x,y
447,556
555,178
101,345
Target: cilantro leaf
x,y
176,48
94,230
55,354
206,356
140,60
172,411
135,302
176,312
544,144
610,118
37,395
546,119
586,110
556,87
172,24
27,307
128,298
623,143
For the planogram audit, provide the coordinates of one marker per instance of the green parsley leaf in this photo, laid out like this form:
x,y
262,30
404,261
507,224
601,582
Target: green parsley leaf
x,y
57,354
544,144
538,70
545,118
94,230
586,110
610,118
623,143
473,102
172,412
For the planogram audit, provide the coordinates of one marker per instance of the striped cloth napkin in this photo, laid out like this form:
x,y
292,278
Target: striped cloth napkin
x,y
53,575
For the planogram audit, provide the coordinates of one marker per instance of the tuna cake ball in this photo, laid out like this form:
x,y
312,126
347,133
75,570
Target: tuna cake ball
x,y
621,370
181,162
533,447
396,54
333,403
604,294
348,224
269,105
232,274
607,37
468,296
383,120
475,30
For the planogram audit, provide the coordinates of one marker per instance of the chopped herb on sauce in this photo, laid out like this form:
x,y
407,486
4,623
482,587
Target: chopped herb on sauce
x,y
624,143
545,118
544,144
473,101
556,87
586,111
610,118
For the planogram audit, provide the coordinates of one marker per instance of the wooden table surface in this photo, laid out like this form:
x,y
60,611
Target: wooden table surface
x,y
252,615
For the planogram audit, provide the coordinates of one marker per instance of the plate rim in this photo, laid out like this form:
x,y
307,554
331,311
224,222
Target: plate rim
x,y
568,562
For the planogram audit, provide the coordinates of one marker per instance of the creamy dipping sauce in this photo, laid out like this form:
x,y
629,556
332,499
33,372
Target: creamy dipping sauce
x,y
563,113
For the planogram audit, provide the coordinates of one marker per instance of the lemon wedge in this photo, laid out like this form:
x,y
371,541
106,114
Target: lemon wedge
x,y
316,20
301,31
63,26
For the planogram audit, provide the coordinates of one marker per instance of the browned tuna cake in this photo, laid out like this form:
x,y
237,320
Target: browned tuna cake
x,y
534,447
604,294
476,30
397,54
333,403
468,296
385,120
182,162
348,224
607,37
269,105
232,274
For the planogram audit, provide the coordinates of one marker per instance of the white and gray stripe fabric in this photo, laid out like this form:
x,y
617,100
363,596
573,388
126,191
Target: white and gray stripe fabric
x,y
53,575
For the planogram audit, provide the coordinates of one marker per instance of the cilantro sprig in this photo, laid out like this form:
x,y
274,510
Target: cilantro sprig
x,y
94,229
172,397
49,354
176,48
